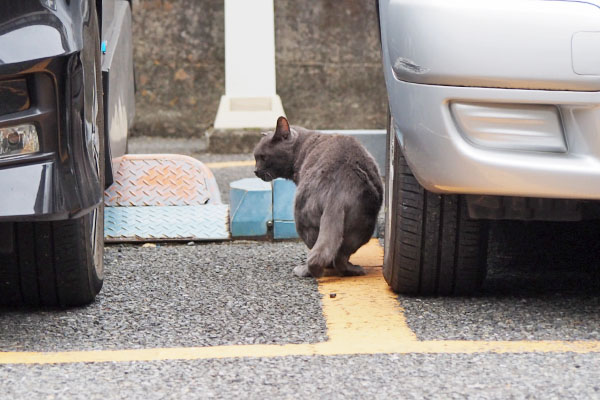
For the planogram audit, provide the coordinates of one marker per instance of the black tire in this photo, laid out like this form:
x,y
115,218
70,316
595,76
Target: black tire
x,y
432,247
52,264
60,263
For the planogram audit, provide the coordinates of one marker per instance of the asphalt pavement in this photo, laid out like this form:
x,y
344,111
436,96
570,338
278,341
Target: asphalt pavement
x,y
410,376
182,295
543,285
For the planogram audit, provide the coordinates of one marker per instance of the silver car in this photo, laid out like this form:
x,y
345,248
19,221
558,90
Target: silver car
x,y
494,114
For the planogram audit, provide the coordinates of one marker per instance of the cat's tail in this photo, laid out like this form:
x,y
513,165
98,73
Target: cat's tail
x,y
329,241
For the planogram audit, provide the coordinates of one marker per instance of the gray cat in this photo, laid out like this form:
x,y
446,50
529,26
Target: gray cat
x,y
338,194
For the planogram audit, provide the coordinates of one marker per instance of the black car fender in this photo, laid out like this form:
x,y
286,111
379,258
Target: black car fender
x,y
41,41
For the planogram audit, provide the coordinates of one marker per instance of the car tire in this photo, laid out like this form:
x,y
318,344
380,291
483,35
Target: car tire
x,y
432,247
60,263
53,263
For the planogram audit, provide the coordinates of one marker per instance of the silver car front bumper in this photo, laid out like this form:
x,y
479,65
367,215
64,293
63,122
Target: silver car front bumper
x,y
496,97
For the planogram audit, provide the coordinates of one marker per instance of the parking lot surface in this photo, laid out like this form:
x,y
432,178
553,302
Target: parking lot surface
x,y
174,296
543,283
225,320
410,376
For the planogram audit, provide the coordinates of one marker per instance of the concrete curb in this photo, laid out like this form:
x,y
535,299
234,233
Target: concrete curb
x,y
232,141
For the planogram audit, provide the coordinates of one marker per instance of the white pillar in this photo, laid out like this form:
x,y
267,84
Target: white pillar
x,y
250,99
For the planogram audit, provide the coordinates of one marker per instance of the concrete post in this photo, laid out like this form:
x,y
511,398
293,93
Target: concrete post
x,y
250,99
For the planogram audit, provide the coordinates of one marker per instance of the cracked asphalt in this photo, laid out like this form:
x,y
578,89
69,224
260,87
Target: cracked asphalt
x,y
543,284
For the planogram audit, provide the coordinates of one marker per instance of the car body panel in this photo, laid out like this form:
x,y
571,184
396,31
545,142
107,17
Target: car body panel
x,y
29,30
440,153
64,182
117,76
511,44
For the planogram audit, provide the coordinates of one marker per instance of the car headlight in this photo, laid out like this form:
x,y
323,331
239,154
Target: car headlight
x,y
19,139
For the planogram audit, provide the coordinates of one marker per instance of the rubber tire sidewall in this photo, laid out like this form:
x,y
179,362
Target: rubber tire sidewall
x,y
452,261
90,281
390,214
96,280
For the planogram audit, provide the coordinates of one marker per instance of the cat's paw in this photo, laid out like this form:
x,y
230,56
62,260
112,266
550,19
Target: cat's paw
x,y
354,270
302,271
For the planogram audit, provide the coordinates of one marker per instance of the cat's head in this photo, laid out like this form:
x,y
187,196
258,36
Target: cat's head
x,y
274,154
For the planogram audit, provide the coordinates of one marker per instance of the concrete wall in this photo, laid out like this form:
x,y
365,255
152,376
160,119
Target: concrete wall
x,y
327,55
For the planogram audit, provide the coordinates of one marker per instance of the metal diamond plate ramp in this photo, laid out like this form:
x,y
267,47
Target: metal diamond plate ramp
x,y
163,197
161,180
152,223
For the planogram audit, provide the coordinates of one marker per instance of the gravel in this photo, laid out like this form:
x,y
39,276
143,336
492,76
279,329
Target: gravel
x,y
169,296
411,376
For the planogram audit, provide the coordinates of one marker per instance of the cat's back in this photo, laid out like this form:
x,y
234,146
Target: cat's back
x,y
340,161
332,153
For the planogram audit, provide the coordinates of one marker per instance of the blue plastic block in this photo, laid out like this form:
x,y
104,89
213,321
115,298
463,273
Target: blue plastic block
x,y
284,230
250,207
283,199
283,209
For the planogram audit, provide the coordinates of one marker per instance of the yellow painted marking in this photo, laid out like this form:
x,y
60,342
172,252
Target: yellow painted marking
x,y
363,309
371,346
230,164
363,317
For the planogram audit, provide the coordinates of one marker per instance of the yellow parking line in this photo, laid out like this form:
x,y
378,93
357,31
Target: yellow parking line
x,y
363,308
363,317
230,164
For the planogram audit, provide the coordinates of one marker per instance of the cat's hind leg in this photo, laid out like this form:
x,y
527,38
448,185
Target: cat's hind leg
x,y
345,268
309,235
357,232
302,271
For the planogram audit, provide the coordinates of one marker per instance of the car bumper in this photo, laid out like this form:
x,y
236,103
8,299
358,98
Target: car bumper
x,y
430,89
60,180
29,192
444,160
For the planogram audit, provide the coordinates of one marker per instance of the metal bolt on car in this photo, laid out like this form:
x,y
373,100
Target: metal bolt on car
x,y
65,109
494,115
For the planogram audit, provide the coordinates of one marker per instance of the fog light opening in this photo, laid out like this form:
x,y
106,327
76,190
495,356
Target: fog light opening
x,y
19,139
524,127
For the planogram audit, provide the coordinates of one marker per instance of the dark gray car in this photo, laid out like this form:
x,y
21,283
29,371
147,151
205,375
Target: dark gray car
x,y
66,101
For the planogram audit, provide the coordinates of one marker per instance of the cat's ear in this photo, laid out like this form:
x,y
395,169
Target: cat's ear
x,y
282,132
